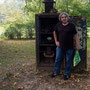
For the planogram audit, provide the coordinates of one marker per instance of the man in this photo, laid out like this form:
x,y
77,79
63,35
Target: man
x,y
64,33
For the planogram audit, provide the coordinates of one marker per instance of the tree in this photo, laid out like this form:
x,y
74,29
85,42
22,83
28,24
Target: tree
x,y
74,7
24,19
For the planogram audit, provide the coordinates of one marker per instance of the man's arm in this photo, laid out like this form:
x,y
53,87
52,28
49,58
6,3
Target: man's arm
x,y
55,38
77,41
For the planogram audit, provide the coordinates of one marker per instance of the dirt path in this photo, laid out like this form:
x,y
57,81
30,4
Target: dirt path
x,y
27,78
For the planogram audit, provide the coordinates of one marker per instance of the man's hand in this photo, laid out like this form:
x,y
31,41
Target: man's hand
x,y
77,47
77,42
55,38
57,43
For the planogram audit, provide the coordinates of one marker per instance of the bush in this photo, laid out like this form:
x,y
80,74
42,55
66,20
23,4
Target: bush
x,y
19,31
10,33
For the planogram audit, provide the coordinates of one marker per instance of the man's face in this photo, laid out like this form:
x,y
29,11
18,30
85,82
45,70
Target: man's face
x,y
64,18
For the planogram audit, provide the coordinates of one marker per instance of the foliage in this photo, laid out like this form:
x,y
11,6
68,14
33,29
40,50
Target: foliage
x,y
10,32
21,22
74,7
18,31
35,6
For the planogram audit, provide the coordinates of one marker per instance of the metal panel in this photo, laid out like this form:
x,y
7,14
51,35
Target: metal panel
x,y
45,46
80,23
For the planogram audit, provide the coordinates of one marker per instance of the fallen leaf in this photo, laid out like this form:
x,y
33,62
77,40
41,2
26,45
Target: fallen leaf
x,y
78,80
16,74
20,88
88,74
41,76
73,84
15,83
72,76
59,83
0,73
86,88
88,85
37,73
23,64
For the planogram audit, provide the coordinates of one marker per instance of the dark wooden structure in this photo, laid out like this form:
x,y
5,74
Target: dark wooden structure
x,y
45,45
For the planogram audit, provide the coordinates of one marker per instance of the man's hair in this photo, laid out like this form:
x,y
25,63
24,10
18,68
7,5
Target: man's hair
x,y
64,13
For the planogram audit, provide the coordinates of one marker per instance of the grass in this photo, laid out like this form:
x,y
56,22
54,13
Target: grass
x,y
88,31
88,43
14,51
23,51
88,47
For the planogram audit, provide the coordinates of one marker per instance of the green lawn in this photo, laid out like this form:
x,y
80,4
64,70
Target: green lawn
x,y
20,51
17,57
16,51
88,47
88,31
88,43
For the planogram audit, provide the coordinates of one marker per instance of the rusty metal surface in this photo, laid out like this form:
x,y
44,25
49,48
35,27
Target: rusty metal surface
x,y
48,5
80,23
45,46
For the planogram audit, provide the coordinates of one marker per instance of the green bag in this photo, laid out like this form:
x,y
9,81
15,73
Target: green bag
x,y
77,58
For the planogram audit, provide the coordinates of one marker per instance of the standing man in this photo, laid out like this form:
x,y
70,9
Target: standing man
x,y
64,33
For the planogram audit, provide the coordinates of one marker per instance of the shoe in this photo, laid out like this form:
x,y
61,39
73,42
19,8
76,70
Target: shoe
x,y
66,77
54,75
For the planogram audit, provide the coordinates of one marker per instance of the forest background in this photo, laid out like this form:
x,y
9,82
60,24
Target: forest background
x,y
17,17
